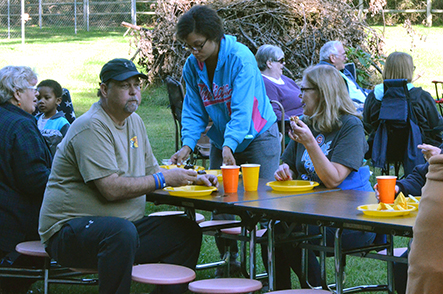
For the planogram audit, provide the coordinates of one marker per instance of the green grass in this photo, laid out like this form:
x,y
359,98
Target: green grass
x,y
426,51
75,61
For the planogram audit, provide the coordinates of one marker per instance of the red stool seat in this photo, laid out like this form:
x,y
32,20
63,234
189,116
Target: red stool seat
x,y
228,285
32,248
162,274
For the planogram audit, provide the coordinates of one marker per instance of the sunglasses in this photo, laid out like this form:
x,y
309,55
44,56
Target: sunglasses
x,y
281,60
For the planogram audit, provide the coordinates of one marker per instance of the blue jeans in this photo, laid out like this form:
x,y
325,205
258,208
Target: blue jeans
x,y
265,150
112,245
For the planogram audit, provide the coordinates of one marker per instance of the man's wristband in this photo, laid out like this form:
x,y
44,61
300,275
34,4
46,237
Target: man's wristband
x,y
160,181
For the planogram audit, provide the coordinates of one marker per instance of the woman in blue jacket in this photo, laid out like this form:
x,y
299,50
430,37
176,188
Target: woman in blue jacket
x,y
224,83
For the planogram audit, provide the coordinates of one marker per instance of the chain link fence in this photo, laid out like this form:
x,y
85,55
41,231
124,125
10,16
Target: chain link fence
x,y
62,16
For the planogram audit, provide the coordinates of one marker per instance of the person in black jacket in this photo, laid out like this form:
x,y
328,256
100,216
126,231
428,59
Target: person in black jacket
x,y
399,65
412,184
25,164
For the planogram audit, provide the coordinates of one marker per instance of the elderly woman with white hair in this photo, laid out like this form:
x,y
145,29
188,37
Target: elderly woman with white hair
x,y
271,61
25,163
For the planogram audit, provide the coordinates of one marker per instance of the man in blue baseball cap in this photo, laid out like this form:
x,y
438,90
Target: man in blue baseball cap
x,y
92,214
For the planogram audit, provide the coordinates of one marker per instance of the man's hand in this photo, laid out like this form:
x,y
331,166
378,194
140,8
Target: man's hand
x,y
179,177
228,157
207,180
181,155
428,150
397,189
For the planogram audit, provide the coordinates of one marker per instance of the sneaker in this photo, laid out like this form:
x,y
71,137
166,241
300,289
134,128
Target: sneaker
x,y
235,269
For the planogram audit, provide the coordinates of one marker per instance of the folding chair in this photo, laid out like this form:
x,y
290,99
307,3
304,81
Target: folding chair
x,y
66,106
281,127
398,134
176,97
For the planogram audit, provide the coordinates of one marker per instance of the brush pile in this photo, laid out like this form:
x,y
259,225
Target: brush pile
x,y
299,27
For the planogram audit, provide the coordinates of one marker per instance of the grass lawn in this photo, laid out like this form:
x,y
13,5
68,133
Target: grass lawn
x,y
75,62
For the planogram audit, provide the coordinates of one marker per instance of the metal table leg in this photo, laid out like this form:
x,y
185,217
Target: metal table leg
x,y
338,261
271,255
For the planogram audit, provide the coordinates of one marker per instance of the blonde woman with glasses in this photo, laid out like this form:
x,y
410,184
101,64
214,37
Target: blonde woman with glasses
x,y
328,146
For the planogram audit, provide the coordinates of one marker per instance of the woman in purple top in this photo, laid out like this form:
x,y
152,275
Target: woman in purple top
x,y
271,60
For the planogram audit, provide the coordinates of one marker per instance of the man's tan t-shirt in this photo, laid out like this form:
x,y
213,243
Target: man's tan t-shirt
x,y
95,147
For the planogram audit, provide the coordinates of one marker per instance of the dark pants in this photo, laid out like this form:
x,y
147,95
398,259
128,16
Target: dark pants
x,y
265,150
112,245
401,275
288,256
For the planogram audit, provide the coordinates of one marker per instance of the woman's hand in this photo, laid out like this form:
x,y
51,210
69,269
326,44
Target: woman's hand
x,y
228,157
428,150
207,180
301,133
397,189
283,173
181,155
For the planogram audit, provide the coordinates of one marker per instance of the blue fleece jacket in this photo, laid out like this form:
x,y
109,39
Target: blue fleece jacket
x,y
56,122
236,101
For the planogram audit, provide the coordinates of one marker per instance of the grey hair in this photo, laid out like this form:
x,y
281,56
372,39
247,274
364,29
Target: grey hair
x,y
267,52
328,49
13,78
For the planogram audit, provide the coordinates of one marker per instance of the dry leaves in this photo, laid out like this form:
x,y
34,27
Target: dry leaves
x,y
299,27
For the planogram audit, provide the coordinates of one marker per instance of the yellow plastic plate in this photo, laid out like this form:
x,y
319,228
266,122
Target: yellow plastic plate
x,y
191,190
371,210
171,166
215,172
413,203
292,185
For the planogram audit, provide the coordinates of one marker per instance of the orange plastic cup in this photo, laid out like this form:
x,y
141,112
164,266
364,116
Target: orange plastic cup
x,y
230,178
250,174
386,188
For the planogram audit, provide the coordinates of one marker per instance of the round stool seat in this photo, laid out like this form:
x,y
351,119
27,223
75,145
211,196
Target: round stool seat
x,y
32,248
162,274
227,285
301,291
397,251
198,216
237,231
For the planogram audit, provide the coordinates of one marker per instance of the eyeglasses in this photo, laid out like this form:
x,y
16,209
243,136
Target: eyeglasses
x,y
281,60
302,90
198,48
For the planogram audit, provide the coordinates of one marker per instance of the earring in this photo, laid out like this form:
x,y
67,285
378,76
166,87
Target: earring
x,y
19,104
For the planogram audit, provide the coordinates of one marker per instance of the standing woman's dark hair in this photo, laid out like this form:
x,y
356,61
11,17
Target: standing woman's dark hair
x,y
201,20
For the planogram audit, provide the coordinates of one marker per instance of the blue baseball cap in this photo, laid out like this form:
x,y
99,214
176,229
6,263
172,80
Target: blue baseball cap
x,y
119,69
